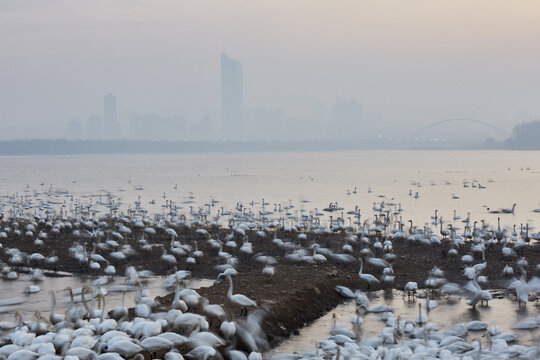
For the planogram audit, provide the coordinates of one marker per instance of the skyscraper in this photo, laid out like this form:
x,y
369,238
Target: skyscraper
x,y
93,127
110,117
74,130
232,98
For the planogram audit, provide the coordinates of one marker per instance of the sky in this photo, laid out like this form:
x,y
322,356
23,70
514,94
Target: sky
x,y
414,61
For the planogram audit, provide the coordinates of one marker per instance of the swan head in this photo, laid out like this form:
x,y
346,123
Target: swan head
x,y
70,291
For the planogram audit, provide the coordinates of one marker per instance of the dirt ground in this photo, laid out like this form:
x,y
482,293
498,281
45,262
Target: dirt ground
x,y
298,293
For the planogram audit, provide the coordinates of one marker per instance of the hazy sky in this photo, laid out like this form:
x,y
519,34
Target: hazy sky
x,y
414,61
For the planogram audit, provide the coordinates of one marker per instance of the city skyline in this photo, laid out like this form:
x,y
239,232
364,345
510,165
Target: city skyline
x,y
232,98
415,63
345,119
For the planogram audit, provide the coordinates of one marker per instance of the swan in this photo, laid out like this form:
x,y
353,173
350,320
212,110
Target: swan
x,y
76,313
168,258
527,323
368,278
228,329
508,270
23,354
205,338
523,288
239,299
156,343
189,322
110,270
110,356
318,258
53,317
376,309
442,231
201,352
236,355
32,289
509,211
246,247
268,271
120,311
420,319
124,346
475,292
190,297
411,287
81,353
345,292
476,325
213,310
430,304
338,329
173,355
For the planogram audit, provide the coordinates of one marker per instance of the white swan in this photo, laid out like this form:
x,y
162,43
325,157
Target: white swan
x,y
420,318
241,300
368,278
53,317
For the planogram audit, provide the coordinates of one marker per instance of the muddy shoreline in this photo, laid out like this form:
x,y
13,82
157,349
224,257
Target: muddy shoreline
x,y
298,294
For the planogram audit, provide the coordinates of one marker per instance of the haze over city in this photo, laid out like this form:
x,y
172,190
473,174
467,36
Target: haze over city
x,y
309,69
269,179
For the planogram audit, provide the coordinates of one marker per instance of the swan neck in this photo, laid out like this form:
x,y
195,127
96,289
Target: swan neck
x,y
84,301
229,292
102,308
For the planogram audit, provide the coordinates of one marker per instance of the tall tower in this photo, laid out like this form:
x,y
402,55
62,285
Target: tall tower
x,y
110,118
232,98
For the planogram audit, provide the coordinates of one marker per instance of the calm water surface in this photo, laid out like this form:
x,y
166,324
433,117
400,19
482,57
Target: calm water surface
x,y
307,180
320,178
501,312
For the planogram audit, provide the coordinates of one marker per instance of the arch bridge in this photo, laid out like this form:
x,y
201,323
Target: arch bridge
x,y
465,120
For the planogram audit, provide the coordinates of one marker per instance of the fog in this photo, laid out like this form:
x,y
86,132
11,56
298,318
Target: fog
x,y
309,69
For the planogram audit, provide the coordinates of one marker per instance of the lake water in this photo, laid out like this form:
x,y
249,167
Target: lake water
x,y
307,180
13,298
503,313
321,178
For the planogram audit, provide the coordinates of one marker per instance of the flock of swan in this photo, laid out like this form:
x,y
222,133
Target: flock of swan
x,y
105,246
416,338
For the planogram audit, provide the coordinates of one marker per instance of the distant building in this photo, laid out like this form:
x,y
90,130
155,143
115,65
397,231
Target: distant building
x,y
374,125
346,118
74,129
154,127
111,124
94,127
201,130
265,124
317,113
232,98
318,124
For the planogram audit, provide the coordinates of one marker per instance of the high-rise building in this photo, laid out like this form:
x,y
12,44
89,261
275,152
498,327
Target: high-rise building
x,y
346,119
110,117
74,129
155,127
93,127
232,98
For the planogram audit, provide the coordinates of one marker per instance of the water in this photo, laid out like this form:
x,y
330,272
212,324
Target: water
x,y
307,180
501,312
27,304
280,178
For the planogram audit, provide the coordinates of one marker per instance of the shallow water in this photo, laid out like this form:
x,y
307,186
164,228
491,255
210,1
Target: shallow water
x,y
27,304
501,312
318,177
308,180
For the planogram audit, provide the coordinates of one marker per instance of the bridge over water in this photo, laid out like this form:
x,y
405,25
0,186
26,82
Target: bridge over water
x,y
484,124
